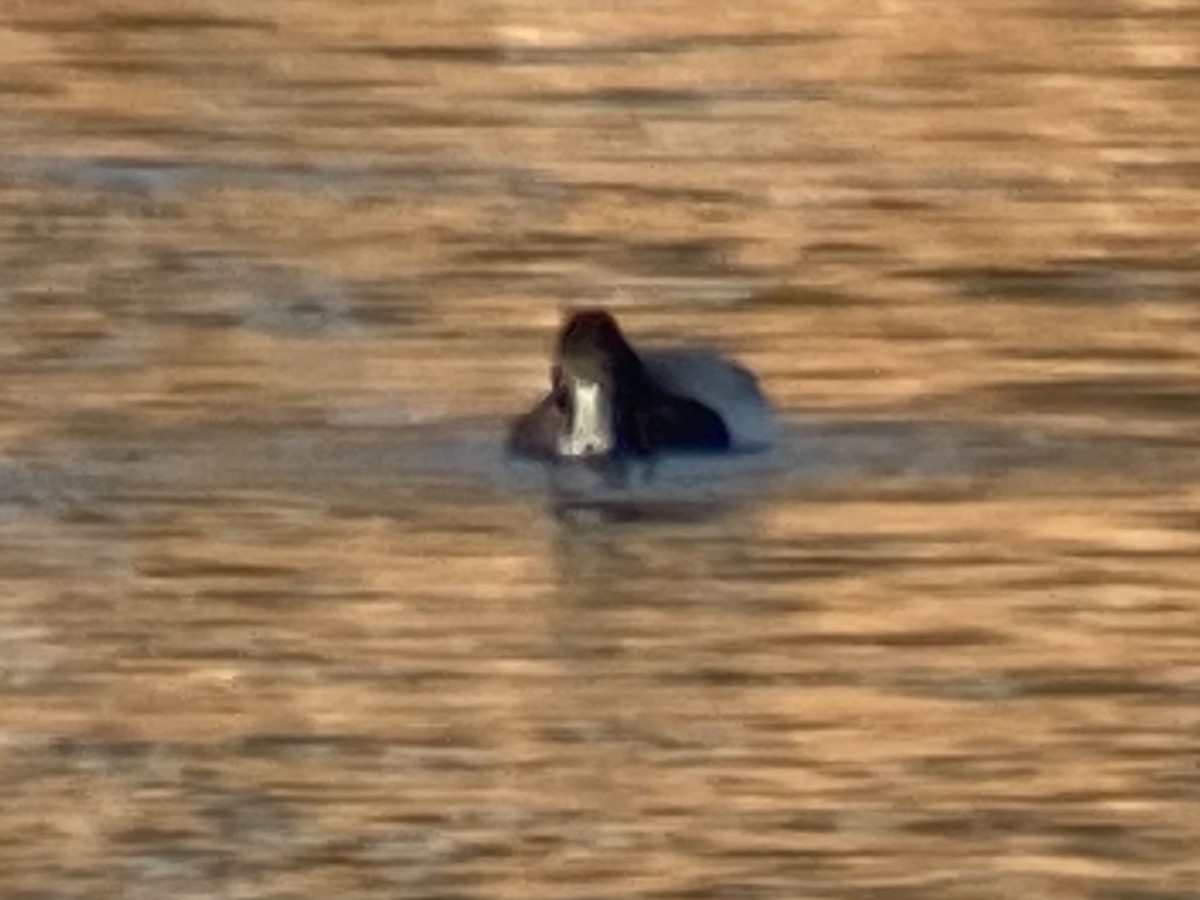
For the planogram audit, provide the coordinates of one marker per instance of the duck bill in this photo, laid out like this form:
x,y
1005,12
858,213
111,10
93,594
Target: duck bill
x,y
589,430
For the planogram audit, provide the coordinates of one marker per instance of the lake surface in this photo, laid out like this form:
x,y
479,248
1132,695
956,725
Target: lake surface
x,y
279,619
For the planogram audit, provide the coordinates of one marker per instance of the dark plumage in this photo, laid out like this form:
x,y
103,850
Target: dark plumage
x,y
607,400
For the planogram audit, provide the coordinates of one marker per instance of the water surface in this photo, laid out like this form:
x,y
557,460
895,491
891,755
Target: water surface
x,y
279,619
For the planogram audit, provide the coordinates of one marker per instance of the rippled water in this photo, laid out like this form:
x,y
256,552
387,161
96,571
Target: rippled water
x,y
279,619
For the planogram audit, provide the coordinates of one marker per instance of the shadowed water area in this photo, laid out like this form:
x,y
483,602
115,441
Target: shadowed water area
x,y
279,619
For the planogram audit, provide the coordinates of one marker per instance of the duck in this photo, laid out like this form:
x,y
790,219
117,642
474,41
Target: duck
x,y
609,401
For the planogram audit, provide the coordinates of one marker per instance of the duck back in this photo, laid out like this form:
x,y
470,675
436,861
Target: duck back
x,y
727,388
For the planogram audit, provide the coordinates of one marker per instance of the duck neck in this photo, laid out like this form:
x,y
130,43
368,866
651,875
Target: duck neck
x,y
599,410
591,428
